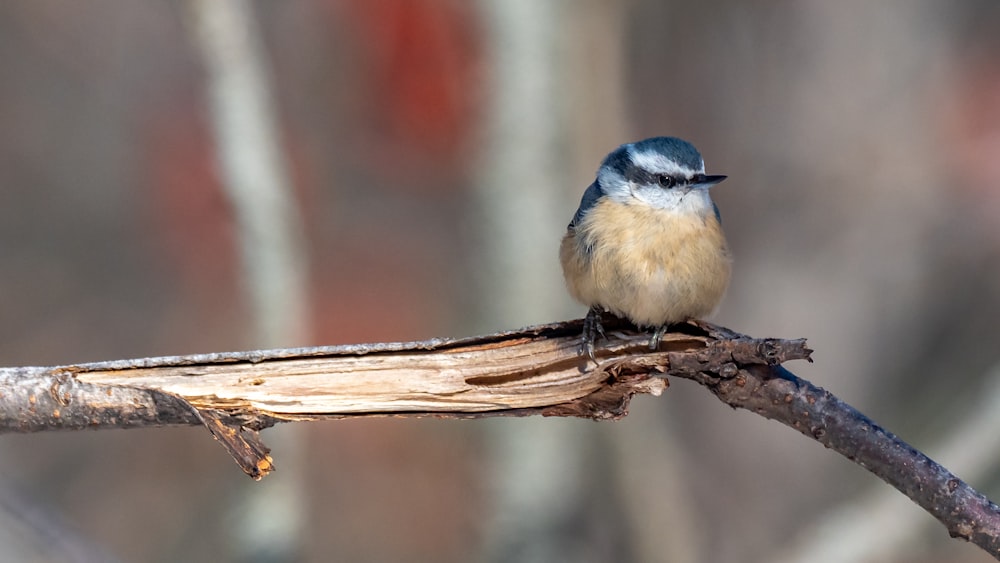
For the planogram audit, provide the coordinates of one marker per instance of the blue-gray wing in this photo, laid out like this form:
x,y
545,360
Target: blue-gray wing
x,y
718,216
590,198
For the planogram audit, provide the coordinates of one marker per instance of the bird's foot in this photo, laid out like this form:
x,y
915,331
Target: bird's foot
x,y
592,328
654,340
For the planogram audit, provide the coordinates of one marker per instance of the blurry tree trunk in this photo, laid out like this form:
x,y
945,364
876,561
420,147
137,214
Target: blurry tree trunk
x,y
537,466
272,246
540,126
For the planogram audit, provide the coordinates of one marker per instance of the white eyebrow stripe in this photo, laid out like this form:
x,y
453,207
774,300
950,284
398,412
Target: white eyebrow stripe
x,y
660,164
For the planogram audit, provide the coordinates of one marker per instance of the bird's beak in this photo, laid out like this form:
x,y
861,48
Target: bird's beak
x,y
708,182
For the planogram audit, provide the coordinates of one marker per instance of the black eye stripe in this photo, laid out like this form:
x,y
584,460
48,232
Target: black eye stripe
x,y
667,181
640,176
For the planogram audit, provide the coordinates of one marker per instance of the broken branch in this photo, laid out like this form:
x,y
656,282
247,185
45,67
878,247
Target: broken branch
x,y
536,370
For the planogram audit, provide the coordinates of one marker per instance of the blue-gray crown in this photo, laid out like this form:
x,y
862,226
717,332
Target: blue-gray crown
x,y
677,150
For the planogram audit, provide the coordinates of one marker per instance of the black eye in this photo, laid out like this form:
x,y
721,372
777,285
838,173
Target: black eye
x,y
665,181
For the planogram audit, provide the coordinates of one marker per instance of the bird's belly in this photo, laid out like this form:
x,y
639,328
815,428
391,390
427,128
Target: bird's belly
x,y
648,265
651,293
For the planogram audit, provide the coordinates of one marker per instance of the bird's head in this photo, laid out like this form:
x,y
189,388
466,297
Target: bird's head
x,y
662,172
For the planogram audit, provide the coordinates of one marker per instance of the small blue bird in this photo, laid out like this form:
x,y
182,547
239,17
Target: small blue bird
x,y
646,243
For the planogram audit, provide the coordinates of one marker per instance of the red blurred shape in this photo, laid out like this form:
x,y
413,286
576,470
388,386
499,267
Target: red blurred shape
x,y
421,61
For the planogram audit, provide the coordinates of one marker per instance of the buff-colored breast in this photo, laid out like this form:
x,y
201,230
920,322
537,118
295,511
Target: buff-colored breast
x,y
649,265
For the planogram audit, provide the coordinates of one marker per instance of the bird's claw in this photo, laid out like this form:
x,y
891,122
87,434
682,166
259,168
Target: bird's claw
x,y
654,340
592,328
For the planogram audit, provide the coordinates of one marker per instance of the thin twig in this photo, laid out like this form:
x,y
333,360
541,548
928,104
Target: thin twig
x,y
879,522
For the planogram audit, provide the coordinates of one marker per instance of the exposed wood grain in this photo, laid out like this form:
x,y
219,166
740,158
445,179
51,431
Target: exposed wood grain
x,y
537,370
476,377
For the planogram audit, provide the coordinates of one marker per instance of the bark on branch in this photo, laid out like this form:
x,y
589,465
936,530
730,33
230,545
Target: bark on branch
x,y
536,370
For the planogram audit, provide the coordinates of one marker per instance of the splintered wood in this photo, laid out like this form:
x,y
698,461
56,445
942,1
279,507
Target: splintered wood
x,y
537,370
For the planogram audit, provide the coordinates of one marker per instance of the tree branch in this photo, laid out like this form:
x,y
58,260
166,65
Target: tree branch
x,y
536,370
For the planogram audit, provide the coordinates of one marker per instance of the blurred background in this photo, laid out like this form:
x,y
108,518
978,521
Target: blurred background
x,y
420,160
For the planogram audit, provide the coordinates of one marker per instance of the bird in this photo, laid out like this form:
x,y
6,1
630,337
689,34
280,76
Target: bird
x,y
646,243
